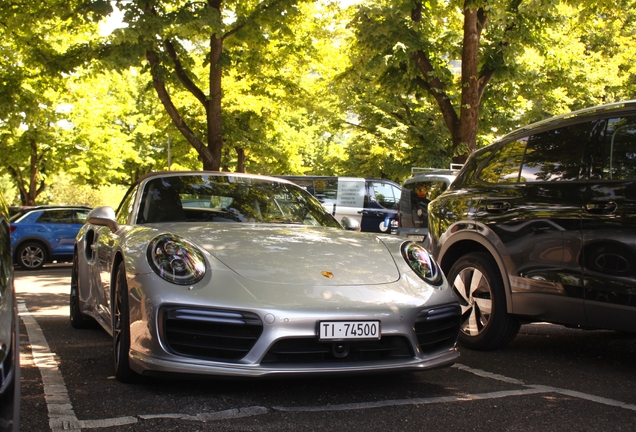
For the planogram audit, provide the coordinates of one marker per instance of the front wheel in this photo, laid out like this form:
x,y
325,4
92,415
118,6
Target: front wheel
x,y
78,319
121,328
31,256
486,324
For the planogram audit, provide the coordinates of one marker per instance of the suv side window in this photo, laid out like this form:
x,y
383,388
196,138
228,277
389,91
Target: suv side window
x,y
56,216
81,216
555,155
619,149
503,166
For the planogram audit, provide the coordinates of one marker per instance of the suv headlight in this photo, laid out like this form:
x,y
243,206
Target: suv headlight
x,y
176,260
422,263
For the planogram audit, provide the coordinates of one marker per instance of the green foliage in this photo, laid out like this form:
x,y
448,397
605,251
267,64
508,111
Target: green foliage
x,y
307,87
545,57
272,61
65,190
10,192
118,129
34,41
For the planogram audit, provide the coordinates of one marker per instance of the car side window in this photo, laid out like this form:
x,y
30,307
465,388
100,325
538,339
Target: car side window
x,y
326,191
504,164
386,195
555,155
126,207
56,216
420,193
619,149
81,216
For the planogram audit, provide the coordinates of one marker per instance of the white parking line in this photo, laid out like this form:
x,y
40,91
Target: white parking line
x,y
61,414
62,417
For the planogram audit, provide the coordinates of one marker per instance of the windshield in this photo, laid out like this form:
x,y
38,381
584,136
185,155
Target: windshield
x,y
220,198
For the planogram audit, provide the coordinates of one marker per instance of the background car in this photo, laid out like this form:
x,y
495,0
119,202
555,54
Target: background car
x,y
43,234
541,226
417,192
9,333
372,202
242,275
17,210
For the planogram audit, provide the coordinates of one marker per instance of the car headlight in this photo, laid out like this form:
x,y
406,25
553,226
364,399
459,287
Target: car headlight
x,y
176,260
422,263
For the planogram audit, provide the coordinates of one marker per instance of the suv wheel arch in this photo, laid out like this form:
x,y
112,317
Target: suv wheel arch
x,y
468,242
485,322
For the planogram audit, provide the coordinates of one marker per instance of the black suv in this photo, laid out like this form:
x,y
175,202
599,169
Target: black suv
x,y
541,226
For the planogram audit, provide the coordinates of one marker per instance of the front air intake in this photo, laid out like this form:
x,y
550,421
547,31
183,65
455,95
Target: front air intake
x,y
437,328
210,334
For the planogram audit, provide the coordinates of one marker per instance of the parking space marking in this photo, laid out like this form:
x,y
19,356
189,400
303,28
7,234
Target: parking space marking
x,y
62,416
488,375
416,401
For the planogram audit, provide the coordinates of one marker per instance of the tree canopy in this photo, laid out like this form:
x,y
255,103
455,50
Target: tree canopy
x,y
292,86
436,79
36,44
226,72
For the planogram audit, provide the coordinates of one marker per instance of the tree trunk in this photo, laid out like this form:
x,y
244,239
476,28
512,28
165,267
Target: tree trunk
x,y
29,192
214,124
469,111
240,164
166,100
462,127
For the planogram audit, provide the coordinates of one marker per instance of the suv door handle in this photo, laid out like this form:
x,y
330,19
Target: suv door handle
x,y
498,207
601,208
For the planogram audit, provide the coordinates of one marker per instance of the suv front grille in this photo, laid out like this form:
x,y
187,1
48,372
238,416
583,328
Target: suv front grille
x,y
218,335
310,350
437,328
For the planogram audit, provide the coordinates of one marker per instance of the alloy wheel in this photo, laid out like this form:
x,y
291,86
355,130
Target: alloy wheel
x,y
475,295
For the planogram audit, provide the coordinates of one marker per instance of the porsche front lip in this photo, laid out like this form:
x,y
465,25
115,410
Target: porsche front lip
x,y
148,365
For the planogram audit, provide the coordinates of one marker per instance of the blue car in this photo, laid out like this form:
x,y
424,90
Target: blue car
x,y
44,234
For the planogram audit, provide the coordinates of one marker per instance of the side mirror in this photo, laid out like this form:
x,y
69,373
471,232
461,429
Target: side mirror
x,y
350,224
103,216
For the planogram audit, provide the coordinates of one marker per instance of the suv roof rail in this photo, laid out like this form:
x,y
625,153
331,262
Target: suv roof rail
x,y
415,170
453,166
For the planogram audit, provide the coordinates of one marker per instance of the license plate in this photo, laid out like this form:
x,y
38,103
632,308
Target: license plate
x,y
348,330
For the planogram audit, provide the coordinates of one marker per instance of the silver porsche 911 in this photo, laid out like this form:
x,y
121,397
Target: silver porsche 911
x,y
241,275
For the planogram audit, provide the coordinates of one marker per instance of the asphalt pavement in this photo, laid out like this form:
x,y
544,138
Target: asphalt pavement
x,y
550,378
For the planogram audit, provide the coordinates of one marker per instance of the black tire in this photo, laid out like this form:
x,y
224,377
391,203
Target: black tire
x,y
77,318
486,324
31,255
121,328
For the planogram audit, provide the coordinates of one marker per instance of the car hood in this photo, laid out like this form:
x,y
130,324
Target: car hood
x,y
296,255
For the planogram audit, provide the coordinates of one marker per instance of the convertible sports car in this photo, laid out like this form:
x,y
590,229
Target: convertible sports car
x,y
242,275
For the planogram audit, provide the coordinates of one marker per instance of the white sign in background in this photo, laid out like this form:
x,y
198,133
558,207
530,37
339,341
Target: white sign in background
x,y
350,192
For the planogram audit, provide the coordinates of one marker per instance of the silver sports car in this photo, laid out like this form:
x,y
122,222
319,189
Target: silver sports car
x,y
241,275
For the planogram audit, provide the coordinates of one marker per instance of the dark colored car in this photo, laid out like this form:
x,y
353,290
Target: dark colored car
x,y
44,234
372,202
417,192
541,226
9,333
